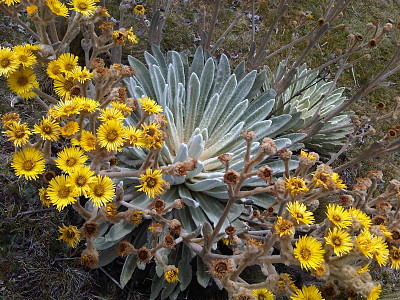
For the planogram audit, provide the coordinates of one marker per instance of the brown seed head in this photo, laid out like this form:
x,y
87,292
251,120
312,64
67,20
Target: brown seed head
x,y
229,230
372,43
391,134
379,220
321,21
265,173
346,200
179,204
156,228
285,154
395,239
329,291
256,214
124,248
220,268
231,177
48,176
90,230
175,226
268,146
158,205
97,63
169,241
143,255
89,258
383,207
358,37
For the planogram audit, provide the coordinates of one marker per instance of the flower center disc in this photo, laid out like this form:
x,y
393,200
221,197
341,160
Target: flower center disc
x,y
305,253
64,192
112,135
80,181
47,129
22,80
28,165
5,62
151,182
71,161
98,191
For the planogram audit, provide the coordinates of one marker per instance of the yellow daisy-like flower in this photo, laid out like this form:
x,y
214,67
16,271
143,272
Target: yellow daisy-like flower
x,y
48,128
101,191
150,106
380,250
321,178
119,37
81,178
309,252
31,9
135,137
69,129
81,74
111,114
54,69
88,105
307,293
88,141
340,240
171,274
131,36
18,133
62,192
263,294
28,162
70,235
67,62
395,257
339,183
307,155
375,293
338,216
111,209
361,217
66,108
283,227
125,109
111,135
70,159
300,214
8,63
24,55
152,136
9,118
139,10
10,2
22,81
364,243
63,86
84,7
58,8
295,185
44,199
151,183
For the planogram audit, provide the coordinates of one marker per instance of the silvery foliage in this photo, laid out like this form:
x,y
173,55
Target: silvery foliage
x,y
308,96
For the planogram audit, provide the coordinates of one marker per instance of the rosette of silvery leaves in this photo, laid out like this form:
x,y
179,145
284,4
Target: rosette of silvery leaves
x,y
314,97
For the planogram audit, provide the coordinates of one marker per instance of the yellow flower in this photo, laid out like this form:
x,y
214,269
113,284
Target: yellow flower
x,y
58,8
139,10
131,36
152,136
111,114
119,37
111,135
70,159
340,240
111,209
375,293
125,109
24,55
361,217
88,105
44,199
67,62
10,2
48,128
18,133
88,141
101,191
61,191
66,108
9,118
135,137
8,63
338,216
300,213
307,293
63,85
31,9
81,74
28,162
364,243
380,250
81,178
395,257
151,183
22,82
69,129
84,7
70,235
295,185
283,227
136,217
171,274
54,69
307,155
309,252
263,294
150,106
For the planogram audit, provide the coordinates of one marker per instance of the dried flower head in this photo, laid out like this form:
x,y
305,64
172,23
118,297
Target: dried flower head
x,y
175,226
70,235
285,154
220,268
346,200
89,258
265,173
268,146
143,255
158,205
124,248
169,241
229,230
283,227
231,177
156,228
225,158
90,229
